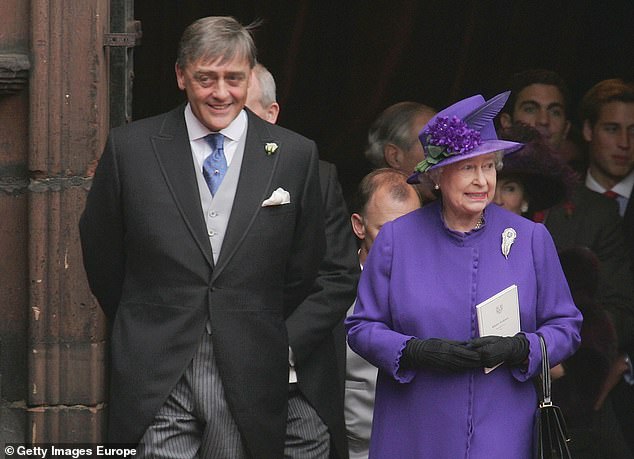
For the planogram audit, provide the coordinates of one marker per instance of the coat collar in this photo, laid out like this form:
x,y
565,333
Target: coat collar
x,y
174,155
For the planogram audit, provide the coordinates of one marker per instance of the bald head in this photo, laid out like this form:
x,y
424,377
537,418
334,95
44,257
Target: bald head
x,y
383,196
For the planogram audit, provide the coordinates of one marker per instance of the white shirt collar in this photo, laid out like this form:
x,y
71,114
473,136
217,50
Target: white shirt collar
x,y
197,130
623,188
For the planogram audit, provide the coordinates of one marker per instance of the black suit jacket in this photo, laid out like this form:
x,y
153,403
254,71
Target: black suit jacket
x,y
593,221
628,226
311,324
149,263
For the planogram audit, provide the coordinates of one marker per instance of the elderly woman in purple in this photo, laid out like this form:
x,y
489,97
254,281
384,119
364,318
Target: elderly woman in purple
x,y
415,316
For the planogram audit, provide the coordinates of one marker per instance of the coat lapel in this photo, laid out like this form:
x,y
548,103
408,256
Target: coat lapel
x,y
174,155
254,186
629,213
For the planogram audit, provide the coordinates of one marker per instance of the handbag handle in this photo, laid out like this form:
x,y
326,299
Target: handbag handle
x,y
545,399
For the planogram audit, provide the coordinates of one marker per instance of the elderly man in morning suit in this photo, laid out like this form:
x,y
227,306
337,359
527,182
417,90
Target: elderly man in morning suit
x,y
311,324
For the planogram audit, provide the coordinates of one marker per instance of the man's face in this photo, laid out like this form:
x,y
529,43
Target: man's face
x,y
542,106
611,143
415,154
216,90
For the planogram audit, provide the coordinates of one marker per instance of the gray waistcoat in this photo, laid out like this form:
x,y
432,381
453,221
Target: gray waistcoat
x,y
217,209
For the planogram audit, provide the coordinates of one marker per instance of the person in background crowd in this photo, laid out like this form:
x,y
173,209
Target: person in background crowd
x,y
533,178
539,98
415,316
587,219
262,94
314,372
393,141
582,390
607,116
383,195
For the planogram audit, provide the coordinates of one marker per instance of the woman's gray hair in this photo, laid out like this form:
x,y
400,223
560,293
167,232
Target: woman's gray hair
x,y
394,125
216,37
499,160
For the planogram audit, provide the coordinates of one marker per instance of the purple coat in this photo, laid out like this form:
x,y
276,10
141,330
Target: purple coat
x,y
423,280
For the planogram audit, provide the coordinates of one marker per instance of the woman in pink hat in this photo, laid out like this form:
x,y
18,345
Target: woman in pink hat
x,y
415,316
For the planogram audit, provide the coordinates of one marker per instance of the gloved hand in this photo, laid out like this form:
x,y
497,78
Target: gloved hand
x,y
439,353
497,349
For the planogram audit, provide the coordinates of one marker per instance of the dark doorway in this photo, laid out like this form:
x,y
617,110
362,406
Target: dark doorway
x,y
338,64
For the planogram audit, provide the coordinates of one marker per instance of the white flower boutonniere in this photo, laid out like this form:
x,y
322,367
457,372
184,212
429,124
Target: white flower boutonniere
x,y
270,148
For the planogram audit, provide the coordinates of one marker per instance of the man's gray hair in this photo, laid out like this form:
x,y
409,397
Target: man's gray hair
x,y
216,37
267,85
393,126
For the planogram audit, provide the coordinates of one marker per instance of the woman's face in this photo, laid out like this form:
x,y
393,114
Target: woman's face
x,y
467,186
509,193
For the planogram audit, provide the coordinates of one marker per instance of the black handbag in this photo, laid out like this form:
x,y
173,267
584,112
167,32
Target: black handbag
x,y
551,434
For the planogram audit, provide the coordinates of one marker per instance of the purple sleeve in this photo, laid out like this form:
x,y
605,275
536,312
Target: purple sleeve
x,y
370,327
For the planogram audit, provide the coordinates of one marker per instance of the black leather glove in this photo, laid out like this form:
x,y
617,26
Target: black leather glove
x,y
497,349
439,353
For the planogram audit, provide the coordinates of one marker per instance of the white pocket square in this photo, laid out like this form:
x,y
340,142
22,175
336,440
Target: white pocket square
x,y
278,197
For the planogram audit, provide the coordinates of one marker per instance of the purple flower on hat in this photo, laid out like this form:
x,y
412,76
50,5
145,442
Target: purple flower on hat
x,y
452,133
446,137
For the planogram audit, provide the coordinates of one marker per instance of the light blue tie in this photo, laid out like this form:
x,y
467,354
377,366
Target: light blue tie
x,y
215,166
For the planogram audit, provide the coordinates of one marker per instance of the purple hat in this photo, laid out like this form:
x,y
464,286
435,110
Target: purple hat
x,y
461,131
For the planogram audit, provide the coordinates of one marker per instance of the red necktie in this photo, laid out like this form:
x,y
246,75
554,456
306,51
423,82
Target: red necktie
x,y
539,216
610,194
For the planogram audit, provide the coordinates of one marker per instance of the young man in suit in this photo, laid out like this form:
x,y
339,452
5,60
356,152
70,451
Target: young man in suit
x,y
539,98
607,114
202,233
382,196
314,375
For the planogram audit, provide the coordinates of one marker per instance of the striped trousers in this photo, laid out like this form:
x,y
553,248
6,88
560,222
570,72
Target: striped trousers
x,y
195,421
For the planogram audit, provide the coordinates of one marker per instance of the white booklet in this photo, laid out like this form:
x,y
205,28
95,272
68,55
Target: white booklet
x,y
499,315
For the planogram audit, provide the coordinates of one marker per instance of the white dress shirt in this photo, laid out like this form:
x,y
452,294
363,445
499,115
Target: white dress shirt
x,y
623,189
198,131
